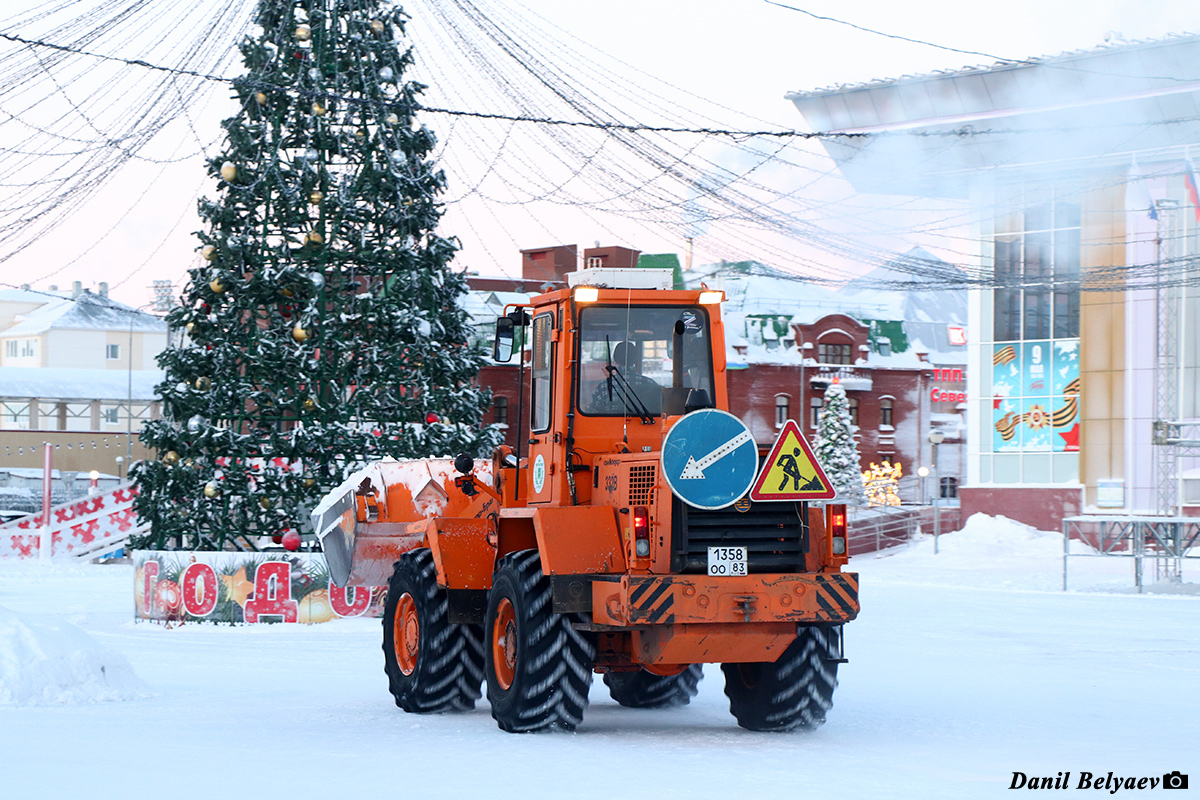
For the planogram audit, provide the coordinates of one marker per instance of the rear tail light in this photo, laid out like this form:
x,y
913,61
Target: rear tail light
x,y
837,530
641,532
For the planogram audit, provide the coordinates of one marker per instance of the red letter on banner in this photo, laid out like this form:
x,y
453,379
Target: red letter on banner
x,y
149,587
273,593
352,608
199,589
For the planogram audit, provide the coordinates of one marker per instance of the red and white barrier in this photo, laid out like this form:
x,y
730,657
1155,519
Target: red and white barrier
x,y
89,526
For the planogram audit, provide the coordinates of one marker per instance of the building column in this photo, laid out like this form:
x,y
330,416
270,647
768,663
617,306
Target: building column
x,y
95,409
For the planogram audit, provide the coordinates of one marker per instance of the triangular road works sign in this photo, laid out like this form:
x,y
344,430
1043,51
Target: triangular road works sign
x,y
791,471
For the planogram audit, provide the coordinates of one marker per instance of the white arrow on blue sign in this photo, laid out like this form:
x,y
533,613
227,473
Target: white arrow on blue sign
x,y
709,459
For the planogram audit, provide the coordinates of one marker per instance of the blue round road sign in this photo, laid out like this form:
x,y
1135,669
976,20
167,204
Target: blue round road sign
x,y
709,459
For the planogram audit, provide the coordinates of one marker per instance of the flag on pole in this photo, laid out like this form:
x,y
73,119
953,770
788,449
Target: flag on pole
x,y
1189,180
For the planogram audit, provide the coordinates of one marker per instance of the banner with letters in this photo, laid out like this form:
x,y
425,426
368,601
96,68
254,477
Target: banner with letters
x,y
185,586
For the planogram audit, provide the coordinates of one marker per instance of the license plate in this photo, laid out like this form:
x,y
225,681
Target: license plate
x,y
727,561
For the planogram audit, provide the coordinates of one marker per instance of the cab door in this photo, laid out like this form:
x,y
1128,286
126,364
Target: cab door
x,y
542,470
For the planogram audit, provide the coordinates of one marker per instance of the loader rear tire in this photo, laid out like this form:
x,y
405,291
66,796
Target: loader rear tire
x,y
539,668
643,689
793,692
433,666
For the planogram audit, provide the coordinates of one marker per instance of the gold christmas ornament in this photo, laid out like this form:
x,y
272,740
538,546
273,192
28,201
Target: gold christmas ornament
x,y
190,327
208,252
315,197
392,119
309,404
228,172
211,489
315,607
203,383
265,502
303,32
314,236
309,481
261,98
171,458
216,285
299,334
286,292
319,109
377,25
360,134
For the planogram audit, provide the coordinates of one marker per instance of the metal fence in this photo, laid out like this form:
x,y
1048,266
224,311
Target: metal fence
x,y
875,528
1166,540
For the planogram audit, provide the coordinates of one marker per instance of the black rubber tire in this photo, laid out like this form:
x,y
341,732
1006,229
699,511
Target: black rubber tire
x,y
794,692
646,690
448,671
552,667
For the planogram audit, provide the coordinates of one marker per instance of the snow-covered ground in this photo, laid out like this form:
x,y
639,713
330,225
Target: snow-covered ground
x,y
965,667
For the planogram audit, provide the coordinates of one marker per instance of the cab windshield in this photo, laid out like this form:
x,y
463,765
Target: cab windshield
x,y
626,354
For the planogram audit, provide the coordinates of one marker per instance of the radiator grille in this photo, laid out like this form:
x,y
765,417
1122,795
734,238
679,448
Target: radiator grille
x,y
774,534
641,484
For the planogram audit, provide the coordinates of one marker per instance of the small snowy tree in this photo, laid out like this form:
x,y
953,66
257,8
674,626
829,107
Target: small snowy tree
x,y
836,449
322,323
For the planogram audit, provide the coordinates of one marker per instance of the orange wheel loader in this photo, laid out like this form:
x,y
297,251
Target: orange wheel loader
x,y
638,531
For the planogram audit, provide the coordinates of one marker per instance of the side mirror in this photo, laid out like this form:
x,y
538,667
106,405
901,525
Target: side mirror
x,y
502,349
464,464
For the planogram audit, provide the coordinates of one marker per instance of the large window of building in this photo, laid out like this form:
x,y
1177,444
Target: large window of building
x,y
782,410
1037,269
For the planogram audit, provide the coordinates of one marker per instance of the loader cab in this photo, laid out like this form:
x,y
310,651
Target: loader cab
x,y
608,369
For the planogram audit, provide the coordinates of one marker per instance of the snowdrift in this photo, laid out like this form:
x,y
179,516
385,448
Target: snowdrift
x,y
45,660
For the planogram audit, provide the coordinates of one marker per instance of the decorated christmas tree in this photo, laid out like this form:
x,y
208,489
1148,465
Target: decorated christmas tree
x,y
836,450
322,327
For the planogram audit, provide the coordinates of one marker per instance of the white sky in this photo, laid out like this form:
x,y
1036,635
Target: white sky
x,y
743,54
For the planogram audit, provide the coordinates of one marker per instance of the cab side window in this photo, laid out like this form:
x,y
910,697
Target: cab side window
x,y
543,374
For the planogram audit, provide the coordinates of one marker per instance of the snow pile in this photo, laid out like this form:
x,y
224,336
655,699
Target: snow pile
x,y
45,660
995,552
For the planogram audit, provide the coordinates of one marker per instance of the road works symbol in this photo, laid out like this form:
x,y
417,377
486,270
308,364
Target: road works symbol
x,y
709,459
791,471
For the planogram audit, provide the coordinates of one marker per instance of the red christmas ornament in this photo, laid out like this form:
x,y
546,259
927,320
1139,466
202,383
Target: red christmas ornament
x,y
170,597
277,538
291,540
431,418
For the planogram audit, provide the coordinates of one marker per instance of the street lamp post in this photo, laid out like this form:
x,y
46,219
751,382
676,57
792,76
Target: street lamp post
x,y
935,439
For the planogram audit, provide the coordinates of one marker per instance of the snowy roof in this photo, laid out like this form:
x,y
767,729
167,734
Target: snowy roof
x,y
86,312
60,383
1085,110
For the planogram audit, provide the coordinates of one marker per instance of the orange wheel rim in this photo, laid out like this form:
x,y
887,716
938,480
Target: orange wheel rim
x,y
504,643
406,634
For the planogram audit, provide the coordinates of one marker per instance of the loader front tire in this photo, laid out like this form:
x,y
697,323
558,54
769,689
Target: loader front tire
x,y
539,668
793,692
432,665
646,690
